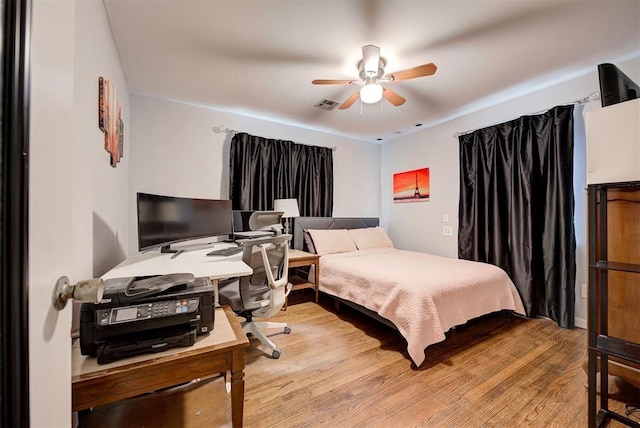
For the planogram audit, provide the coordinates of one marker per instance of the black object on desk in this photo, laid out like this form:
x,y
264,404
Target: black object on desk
x,y
153,341
230,251
140,315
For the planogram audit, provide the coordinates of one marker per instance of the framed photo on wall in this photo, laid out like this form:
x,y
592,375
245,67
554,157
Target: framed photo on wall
x,y
110,121
411,186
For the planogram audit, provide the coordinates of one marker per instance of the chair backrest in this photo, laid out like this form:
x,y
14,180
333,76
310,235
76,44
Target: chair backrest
x,y
266,220
266,289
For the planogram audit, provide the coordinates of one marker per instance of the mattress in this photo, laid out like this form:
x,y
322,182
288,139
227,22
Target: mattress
x,y
423,295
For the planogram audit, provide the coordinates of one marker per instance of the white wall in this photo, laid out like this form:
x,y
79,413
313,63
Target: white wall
x,y
418,226
78,213
100,192
174,151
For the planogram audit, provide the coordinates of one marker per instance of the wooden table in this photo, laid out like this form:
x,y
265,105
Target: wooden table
x,y
221,350
298,258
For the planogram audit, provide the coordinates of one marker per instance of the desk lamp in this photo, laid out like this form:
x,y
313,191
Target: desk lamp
x,y
290,209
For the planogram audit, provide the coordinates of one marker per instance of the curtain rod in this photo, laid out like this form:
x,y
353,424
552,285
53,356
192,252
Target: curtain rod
x,y
593,96
224,130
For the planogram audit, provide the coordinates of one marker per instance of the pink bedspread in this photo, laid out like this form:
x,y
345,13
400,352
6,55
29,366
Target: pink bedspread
x,y
421,294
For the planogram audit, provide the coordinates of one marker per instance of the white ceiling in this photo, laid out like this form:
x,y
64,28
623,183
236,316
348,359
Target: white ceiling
x,y
258,57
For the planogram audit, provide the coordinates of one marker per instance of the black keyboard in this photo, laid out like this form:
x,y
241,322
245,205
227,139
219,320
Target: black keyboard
x,y
230,251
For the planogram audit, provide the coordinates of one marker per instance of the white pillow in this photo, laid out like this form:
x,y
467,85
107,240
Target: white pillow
x,y
332,241
370,237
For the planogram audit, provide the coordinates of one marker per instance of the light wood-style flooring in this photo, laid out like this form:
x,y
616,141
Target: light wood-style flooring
x,y
342,369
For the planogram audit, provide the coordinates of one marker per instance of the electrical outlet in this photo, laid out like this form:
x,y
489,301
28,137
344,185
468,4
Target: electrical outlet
x,y
583,291
447,230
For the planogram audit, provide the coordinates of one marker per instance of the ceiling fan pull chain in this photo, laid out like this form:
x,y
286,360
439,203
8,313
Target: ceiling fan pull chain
x,y
360,107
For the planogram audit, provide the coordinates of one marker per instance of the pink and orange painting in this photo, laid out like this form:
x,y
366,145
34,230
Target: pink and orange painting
x,y
411,186
110,120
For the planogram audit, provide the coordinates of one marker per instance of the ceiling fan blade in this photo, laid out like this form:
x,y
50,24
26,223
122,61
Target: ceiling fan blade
x,y
413,72
331,82
350,101
392,97
370,59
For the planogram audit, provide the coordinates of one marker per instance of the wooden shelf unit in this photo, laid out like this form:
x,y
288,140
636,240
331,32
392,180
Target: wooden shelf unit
x,y
613,294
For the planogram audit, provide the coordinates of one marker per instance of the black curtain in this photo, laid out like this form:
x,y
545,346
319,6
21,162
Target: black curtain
x,y
516,207
262,170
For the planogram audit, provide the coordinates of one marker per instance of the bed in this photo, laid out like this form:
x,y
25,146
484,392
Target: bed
x,y
421,295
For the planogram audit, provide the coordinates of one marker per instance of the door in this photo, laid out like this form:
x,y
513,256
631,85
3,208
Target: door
x,y
51,211
35,211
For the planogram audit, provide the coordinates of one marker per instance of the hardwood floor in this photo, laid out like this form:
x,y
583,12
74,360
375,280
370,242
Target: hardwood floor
x,y
346,370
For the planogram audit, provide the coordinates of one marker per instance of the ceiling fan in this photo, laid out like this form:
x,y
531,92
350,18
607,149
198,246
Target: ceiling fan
x,y
371,69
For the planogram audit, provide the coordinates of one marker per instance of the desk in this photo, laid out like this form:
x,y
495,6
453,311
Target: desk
x,y
219,351
194,261
298,258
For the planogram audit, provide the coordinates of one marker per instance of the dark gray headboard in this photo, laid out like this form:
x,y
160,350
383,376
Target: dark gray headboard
x,y
301,224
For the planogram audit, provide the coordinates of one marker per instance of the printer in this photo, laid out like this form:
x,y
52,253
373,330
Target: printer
x,y
140,315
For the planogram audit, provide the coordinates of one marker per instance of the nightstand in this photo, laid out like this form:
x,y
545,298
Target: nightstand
x,y
298,258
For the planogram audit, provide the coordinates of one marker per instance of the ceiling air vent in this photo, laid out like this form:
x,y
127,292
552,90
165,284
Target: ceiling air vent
x,y
326,104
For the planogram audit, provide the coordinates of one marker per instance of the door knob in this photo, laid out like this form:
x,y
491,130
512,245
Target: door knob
x,y
88,291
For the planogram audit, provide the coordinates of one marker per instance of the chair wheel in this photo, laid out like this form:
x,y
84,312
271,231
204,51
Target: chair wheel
x,y
287,330
276,353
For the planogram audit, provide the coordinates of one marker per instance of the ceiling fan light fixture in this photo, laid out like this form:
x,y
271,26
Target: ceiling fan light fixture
x,y
372,74
371,93
370,59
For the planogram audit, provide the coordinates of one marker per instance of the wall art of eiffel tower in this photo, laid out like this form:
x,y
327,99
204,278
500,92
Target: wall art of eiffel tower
x,y
417,194
411,186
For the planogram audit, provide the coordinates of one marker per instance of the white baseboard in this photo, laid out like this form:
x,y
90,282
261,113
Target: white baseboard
x,y
580,322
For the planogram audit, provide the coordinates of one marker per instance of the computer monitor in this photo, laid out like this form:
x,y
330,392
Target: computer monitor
x,y
165,220
615,86
241,220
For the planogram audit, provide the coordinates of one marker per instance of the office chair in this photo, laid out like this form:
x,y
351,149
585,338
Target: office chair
x,y
263,293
